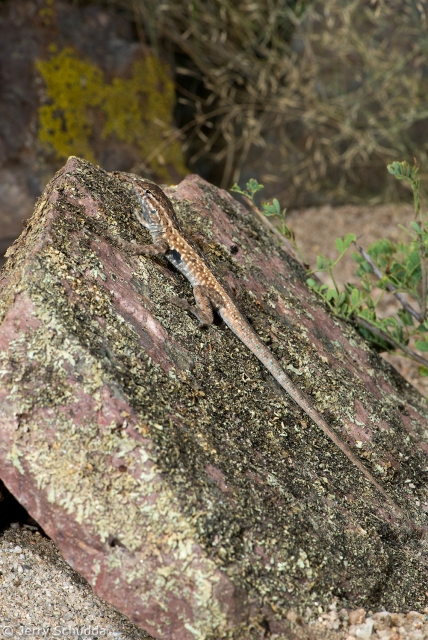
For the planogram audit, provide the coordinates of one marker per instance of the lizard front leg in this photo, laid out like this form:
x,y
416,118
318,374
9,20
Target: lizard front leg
x,y
155,249
206,300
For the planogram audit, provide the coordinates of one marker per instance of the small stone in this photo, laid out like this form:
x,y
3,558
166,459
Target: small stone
x,y
364,631
361,631
18,549
330,620
292,616
414,615
387,634
357,616
382,620
397,619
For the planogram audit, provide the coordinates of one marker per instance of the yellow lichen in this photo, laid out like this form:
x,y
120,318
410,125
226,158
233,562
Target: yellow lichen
x,y
136,110
46,13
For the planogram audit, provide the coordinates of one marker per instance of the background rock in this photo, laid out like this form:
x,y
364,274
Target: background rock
x,y
36,74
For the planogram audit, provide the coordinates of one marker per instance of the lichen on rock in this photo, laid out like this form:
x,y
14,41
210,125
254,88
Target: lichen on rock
x,y
136,110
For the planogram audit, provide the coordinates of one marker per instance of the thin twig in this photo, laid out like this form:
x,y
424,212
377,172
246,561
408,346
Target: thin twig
x,y
385,336
389,285
423,301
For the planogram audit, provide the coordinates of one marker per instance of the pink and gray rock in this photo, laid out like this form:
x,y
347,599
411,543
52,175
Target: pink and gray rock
x,y
165,462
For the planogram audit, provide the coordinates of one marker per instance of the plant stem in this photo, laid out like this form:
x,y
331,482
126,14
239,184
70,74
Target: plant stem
x,y
423,300
330,272
385,336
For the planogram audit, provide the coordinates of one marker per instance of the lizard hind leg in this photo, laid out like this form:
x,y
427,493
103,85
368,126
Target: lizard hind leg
x,y
203,310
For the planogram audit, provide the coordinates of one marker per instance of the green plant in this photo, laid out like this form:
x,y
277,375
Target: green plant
x,y
386,268
268,210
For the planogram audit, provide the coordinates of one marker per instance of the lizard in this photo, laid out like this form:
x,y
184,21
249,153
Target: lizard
x,y
156,213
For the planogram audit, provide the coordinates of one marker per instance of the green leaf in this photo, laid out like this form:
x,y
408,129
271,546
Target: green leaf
x,y
349,238
331,293
415,227
389,322
366,285
339,245
368,314
403,171
311,283
254,186
421,345
269,209
276,206
322,262
405,317
413,260
382,247
423,371
393,168
355,297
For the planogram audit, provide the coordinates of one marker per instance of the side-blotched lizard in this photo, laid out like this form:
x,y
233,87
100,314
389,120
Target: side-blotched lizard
x,y
156,213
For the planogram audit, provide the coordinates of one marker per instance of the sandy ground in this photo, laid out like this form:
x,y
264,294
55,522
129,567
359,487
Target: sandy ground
x,y
41,596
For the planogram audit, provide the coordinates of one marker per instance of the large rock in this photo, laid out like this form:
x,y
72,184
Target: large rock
x,y
164,461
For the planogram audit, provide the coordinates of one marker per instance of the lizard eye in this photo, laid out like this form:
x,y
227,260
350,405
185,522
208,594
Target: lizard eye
x,y
147,191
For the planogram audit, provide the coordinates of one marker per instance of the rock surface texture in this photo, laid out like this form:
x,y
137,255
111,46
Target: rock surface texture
x,y
165,462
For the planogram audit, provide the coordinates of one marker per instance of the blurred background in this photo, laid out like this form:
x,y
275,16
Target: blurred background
x,y
313,99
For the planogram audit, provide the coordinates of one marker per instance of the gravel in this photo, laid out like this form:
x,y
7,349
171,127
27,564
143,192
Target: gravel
x,y
41,595
382,625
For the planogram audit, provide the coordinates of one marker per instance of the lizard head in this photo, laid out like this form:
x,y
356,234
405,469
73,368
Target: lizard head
x,y
156,208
